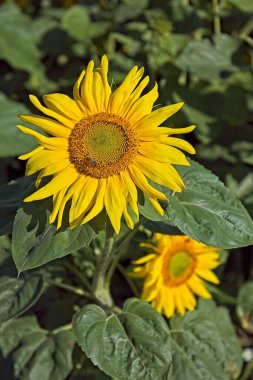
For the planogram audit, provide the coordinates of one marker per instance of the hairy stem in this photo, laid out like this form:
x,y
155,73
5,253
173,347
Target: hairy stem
x,y
98,284
119,250
216,19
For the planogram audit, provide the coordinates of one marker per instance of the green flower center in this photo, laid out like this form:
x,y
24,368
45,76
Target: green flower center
x,y
179,264
105,142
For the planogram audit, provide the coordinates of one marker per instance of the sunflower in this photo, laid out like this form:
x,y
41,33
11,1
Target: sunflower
x,y
103,146
174,271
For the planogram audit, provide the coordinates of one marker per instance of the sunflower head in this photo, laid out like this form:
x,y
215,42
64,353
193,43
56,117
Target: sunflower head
x,y
174,271
102,146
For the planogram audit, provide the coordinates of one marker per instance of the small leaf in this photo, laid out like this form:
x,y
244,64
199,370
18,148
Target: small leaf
x,y
12,141
134,344
243,5
33,353
18,295
244,307
35,242
208,212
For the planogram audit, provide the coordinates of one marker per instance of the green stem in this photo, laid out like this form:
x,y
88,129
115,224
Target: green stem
x,y
248,370
222,296
73,289
119,250
216,19
79,274
98,284
62,328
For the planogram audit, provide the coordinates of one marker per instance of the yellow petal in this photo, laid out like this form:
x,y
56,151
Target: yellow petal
x,y
99,203
163,153
140,180
114,202
61,180
98,92
85,200
128,219
144,259
143,106
163,174
87,89
63,105
169,302
207,275
156,206
104,74
135,96
44,158
30,154
47,125
179,131
157,117
63,120
198,287
132,191
181,144
52,143
121,94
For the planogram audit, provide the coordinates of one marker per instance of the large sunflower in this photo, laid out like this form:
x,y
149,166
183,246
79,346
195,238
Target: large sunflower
x,y
174,271
103,146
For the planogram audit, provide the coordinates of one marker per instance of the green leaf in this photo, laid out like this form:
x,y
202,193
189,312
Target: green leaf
x,y
18,295
35,242
233,353
76,22
11,196
33,353
12,140
134,344
243,5
210,61
17,42
208,212
205,345
244,307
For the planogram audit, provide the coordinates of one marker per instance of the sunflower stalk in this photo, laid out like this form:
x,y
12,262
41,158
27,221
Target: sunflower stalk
x,y
98,286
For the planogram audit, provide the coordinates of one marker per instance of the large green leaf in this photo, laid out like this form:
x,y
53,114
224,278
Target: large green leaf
x,y
30,352
76,22
134,344
12,141
205,345
18,295
208,212
36,242
210,61
11,196
17,42
244,307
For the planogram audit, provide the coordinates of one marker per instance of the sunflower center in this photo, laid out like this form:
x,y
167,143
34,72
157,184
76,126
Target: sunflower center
x,y
102,145
179,264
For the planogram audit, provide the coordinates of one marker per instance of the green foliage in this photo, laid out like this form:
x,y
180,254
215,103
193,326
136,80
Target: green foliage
x,y
36,242
18,295
134,344
208,212
244,307
12,141
205,345
34,353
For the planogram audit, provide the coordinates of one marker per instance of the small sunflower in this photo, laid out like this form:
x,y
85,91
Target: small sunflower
x,y
103,145
174,271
